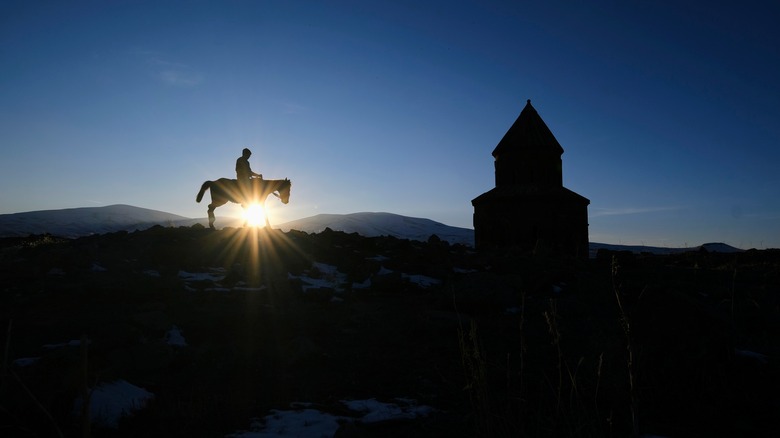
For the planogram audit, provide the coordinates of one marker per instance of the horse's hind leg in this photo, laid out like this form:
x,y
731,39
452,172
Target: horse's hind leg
x,y
212,218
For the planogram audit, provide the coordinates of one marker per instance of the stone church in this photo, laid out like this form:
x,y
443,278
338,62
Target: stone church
x,y
529,209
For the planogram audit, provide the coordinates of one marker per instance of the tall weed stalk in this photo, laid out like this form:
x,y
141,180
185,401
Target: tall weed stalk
x,y
475,367
626,325
552,324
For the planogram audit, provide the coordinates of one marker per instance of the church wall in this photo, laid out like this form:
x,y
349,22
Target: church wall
x,y
532,224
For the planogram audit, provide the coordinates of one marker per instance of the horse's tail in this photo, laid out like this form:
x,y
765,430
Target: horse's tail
x,y
206,185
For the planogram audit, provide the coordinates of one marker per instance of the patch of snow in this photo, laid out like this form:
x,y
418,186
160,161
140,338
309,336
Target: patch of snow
x,y
175,338
384,271
73,343
331,278
326,269
109,402
25,361
758,357
315,283
151,273
421,280
55,271
378,258
97,268
364,285
202,276
464,271
375,411
311,423
306,423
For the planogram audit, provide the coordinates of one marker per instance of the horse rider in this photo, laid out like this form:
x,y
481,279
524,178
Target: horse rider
x,y
244,172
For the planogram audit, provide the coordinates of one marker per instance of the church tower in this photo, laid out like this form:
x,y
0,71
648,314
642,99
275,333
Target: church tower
x,y
528,155
529,209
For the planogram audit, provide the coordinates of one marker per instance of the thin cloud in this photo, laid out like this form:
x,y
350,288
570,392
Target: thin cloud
x,y
292,108
621,211
175,74
180,78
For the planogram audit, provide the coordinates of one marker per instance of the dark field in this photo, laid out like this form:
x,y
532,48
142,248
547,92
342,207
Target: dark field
x,y
503,345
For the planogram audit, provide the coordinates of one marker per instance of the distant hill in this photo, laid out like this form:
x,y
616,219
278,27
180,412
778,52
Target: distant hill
x,y
659,250
382,224
78,222
85,221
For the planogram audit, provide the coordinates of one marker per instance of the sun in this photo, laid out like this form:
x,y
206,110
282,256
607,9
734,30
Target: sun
x,y
254,215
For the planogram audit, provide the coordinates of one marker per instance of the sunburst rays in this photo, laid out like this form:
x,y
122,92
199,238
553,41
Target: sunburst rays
x,y
256,253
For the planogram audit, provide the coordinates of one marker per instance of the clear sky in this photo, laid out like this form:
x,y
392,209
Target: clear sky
x,y
668,112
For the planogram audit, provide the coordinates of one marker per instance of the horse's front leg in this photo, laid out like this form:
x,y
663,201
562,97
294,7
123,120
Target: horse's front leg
x,y
265,213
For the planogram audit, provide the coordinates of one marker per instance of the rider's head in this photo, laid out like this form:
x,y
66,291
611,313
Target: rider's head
x,y
246,152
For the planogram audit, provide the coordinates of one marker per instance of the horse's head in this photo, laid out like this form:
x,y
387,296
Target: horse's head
x,y
284,191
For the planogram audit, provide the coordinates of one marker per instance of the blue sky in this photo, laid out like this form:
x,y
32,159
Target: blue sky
x,y
668,112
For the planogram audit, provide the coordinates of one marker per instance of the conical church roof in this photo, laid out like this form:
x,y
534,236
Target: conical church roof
x,y
529,133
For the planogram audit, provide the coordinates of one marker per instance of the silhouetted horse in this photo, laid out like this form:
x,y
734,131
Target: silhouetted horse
x,y
224,190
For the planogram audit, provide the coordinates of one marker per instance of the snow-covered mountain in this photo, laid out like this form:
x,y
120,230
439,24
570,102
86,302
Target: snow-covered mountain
x,y
382,224
77,222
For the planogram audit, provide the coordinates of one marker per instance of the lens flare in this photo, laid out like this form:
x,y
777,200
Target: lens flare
x,y
254,215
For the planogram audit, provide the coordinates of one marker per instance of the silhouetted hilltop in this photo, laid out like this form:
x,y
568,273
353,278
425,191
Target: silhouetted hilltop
x,y
78,222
